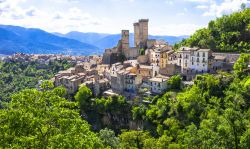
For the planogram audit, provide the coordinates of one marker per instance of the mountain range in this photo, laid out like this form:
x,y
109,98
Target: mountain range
x,y
110,40
15,39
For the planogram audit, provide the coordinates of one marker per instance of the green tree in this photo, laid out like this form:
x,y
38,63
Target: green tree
x,y
16,76
175,82
229,33
43,119
47,85
108,138
241,64
134,139
83,97
142,51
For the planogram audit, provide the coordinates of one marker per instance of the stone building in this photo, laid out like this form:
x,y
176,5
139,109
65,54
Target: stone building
x,y
123,50
111,56
164,56
145,71
141,33
194,60
170,70
158,84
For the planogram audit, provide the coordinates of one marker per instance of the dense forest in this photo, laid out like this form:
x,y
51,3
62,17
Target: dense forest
x,y
230,33
15,76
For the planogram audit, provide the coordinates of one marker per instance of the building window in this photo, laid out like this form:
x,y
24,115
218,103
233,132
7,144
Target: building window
x,y
203,54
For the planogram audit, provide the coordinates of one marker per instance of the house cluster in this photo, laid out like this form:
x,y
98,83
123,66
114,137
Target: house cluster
x,y
144,69
91,73
44,58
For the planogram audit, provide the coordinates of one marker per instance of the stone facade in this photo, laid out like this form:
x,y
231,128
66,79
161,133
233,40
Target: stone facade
x,y
170,70
141,33
194,60
110,57
158,85
125,40
164,56
131,53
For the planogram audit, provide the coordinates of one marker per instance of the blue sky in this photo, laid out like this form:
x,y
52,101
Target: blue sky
x,y
167,17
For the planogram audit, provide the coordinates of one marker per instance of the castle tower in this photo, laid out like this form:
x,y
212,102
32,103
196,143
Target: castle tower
x,y
136,34
141,33
143,25
125,40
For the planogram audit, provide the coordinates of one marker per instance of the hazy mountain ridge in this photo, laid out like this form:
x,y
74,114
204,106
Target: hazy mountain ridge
x,y
110,40
29,40
15,39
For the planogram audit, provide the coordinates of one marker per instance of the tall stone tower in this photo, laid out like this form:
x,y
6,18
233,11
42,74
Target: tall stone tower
x,y
125,40
141,33
136,34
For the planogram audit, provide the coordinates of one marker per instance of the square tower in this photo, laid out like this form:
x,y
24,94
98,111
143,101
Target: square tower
x,y
143,25
141,33
136,34
125,40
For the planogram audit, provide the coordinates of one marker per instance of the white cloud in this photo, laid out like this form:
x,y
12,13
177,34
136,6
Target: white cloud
x,y
66,1
68,20
202,7
201,1
123,0
175,29
169,2
226,7
180,14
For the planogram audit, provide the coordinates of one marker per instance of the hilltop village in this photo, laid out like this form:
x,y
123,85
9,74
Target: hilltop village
x,y
142,70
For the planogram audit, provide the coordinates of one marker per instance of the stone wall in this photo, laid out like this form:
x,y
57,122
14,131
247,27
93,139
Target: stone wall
x,y
142,59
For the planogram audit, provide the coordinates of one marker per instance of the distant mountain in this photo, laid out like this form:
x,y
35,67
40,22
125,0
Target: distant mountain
x,y
35,41
170,39
15,39
104,41
90,38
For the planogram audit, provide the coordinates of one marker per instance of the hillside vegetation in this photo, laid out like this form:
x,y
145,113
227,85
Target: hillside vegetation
x,y
213,113
15,76
230,33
